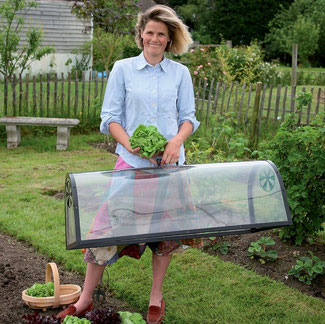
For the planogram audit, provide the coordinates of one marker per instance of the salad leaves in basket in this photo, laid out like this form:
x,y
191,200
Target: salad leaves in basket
x,y
41,290
149,139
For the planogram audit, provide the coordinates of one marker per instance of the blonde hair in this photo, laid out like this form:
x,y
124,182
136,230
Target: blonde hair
x,y
180,38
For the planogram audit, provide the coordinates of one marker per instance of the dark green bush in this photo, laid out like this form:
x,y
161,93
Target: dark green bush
x,y
299,154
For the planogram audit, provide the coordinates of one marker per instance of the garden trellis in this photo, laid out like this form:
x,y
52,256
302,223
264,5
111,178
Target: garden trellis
x,y
53,95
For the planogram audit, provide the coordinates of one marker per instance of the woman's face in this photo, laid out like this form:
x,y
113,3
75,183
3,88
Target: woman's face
x,y
155,38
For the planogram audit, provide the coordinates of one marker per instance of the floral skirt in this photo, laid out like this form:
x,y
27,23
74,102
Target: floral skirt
x,y
110,254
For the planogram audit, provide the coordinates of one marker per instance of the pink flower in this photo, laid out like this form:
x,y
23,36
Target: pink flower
x,y
196,72
192,50
201,66
209,63
205,78
202,49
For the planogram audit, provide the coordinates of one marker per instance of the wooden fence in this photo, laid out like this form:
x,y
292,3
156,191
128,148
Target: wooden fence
x,y
274,102
50,96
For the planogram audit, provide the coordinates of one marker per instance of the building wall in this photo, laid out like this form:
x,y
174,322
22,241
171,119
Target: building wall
x,y
62,30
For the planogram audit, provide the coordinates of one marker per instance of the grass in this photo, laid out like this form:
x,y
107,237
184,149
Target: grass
x,y
199,288
302,69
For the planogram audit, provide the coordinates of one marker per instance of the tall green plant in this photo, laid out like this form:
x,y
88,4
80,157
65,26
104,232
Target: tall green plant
x,y
299,155
12,56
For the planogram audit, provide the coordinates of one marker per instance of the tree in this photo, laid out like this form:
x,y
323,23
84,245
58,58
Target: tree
x,y
113,16
303,23
211,21
13,54
114,22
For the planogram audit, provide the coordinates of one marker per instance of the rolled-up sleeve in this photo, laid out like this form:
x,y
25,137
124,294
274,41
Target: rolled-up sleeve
x,y
113,104
186,102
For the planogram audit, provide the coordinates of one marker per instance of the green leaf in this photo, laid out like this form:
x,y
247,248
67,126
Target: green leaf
x,y
149,139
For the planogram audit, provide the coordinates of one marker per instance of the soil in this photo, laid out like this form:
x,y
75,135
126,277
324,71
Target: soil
x,y
21,266
278,270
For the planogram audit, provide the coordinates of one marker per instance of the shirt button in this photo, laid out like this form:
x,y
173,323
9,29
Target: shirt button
x,y
153,91
153,119
154,105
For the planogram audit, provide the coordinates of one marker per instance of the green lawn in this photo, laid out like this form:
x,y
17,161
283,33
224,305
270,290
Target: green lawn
x,y
299,69
199,288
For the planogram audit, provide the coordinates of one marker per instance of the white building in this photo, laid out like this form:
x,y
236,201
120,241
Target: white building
x,y
62,30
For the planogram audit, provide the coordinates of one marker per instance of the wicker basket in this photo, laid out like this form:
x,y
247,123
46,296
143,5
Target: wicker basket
x,y
63,294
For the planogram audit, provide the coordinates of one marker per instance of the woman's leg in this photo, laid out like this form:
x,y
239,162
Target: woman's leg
x,y
159,268
93,274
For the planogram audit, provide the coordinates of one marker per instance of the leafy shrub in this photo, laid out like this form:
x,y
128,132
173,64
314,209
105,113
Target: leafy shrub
x,y
218,142
307,269
242,64
299,155
203,63
259,249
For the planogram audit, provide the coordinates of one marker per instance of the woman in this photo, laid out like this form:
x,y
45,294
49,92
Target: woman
x,y
152,90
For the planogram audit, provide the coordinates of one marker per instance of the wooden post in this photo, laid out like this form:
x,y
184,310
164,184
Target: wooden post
x,y
215,103
294,65
69,92
241,104
13,87
89,92
5,99
34,96
62,95
55,94
83,96
208,106
277,103
41,94
20,94
309,107
47,94
229,43
76,94
253,139
203,99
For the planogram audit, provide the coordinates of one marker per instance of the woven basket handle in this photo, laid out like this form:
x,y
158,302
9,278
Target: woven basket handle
x,y
52,269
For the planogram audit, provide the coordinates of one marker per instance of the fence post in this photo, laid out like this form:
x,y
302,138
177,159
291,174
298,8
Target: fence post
x,y
229,43
253,139
294,65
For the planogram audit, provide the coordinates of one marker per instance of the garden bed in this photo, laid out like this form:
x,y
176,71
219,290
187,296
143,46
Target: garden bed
x,y
20,267
278,269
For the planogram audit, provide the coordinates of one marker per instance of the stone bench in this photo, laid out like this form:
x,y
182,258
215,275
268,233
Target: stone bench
x,y
63,129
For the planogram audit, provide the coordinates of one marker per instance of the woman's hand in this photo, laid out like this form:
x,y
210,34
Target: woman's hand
x,y
172,150
136,152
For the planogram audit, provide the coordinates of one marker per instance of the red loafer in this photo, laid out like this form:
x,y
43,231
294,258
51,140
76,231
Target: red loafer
x,y
156,314
71,310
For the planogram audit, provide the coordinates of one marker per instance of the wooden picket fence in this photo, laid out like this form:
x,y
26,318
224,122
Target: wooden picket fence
x,y
273,104
50,96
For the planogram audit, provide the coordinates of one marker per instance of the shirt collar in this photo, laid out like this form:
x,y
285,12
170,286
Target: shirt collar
x,y
142,63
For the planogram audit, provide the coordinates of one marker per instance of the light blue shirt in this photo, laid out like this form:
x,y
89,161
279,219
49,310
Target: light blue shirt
x,y
139,93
